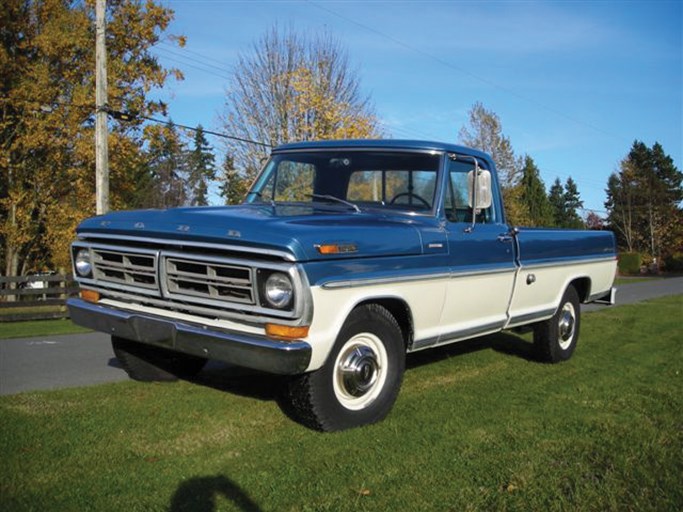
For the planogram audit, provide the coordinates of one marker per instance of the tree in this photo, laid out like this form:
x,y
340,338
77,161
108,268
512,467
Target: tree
x,y
201,168
291,87
594,222
572,203
565,201
47,67
556,200
233,186
534,195
166,160
643,201
485,133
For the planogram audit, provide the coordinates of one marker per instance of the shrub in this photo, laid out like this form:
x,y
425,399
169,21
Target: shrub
x,y
674,262
629,263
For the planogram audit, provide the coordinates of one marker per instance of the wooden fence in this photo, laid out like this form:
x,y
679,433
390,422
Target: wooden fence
x,y
35,297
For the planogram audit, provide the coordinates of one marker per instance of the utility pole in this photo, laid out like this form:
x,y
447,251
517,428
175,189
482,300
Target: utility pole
x,y
101,133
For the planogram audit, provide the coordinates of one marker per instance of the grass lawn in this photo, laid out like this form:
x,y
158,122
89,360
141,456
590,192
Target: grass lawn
x,y
477,426
635,279
39,328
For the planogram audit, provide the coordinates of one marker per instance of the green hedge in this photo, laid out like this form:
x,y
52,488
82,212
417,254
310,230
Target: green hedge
x,y
629,263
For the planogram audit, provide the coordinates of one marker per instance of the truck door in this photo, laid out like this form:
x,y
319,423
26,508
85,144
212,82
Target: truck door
x,y
482,264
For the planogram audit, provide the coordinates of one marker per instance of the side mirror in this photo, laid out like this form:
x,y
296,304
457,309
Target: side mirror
x,y
483,192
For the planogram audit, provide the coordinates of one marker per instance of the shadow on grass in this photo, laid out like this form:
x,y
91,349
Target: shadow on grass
x,y
503,342
200,494
267,387
241,381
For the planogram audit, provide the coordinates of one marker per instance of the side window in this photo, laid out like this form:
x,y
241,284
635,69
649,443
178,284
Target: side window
x,y
457,203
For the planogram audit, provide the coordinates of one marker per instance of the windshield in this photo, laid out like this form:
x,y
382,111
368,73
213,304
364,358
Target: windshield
x,y
350,179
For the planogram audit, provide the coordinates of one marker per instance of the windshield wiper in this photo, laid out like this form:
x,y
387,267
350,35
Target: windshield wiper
x,y
336,200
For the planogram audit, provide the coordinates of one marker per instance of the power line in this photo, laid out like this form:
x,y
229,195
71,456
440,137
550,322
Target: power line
x,y
464,71
126,116
196,54
165,55
208,132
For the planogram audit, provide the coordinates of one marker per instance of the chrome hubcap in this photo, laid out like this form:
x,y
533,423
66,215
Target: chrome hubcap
x,y
360,371
359,368
566,325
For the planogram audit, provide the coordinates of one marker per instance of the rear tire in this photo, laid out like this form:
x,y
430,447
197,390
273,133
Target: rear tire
x,y
360,381
555,339
148,364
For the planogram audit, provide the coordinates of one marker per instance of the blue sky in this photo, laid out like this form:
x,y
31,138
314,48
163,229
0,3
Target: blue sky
x,y
573,82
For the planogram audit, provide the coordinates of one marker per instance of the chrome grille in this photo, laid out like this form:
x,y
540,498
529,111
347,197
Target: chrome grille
x,y
213,280
125,268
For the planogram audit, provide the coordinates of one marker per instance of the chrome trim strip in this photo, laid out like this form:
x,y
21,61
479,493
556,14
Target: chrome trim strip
x,y
566,262
246,350
106,286
188,243
258,316
451,337
530,317
355,283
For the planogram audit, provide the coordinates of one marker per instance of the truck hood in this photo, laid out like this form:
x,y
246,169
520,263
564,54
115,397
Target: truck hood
x,y
294,229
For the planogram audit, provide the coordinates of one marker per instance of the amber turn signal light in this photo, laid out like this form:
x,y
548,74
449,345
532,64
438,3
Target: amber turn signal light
x,y
90,296
336,248
286,332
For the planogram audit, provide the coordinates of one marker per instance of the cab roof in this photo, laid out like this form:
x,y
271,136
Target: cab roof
x,y
419,145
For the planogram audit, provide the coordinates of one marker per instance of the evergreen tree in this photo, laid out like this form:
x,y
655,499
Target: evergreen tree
x,y
643,201
572,203
233,185
565,201
166,160
201,169
534,195
556,200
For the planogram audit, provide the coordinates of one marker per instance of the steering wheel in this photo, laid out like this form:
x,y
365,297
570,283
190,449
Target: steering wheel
x,y
410,194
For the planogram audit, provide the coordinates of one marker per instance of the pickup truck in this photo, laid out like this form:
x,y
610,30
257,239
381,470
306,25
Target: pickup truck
x,y
344,257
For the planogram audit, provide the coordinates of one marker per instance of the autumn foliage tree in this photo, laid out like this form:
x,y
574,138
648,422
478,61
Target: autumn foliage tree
x,y
484,131
292,87
47,63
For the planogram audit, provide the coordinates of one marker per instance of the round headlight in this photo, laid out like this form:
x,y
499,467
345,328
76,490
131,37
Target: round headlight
x,y
83,265
279,290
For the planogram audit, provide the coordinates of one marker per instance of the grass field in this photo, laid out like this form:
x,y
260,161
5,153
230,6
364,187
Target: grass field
x,y
39,328
477,426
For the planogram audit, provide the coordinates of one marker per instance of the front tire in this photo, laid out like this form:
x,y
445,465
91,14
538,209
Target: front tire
x,y
148,364
360,381
555,339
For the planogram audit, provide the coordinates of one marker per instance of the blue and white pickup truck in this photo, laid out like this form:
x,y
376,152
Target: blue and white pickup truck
x,y
345,256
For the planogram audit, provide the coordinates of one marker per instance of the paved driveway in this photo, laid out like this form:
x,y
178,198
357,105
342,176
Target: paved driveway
x,y
28,364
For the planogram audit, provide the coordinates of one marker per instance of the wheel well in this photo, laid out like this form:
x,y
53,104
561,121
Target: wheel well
x,y
583,287
400,311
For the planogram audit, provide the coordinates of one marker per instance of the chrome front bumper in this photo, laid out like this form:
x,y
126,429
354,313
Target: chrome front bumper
x,y
246,350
